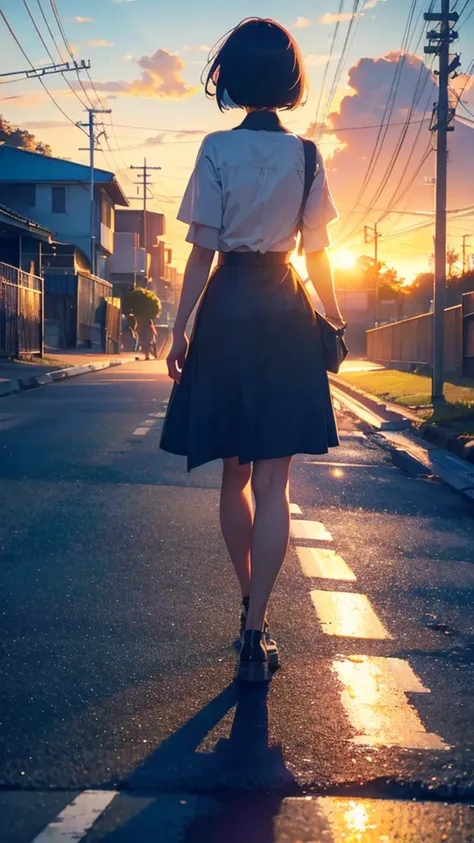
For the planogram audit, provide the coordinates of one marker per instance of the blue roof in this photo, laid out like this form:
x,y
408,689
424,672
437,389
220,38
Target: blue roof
x,y
14,220
20,165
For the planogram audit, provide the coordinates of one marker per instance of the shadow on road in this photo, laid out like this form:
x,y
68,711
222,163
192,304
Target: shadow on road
x,y
242,780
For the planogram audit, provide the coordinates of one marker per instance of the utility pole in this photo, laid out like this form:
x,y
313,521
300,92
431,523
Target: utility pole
x,y
372,235
440,40
465,237
144,171
37,72
93,138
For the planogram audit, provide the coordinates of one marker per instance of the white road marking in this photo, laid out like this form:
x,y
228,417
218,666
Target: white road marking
x,y
374,698
295,509
148,423
72,824
347,615
314,530
160,415
141,431
325,564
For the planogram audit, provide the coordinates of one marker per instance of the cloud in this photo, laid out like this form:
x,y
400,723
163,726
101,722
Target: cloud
x,y
128,56
156,140
99,42
45,124
123,1
371,4
356,126
331,17
81,19
302,23
201,48
316,61
161,79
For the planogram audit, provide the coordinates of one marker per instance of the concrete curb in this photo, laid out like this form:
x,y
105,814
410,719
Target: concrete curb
x,y
408,450
23,384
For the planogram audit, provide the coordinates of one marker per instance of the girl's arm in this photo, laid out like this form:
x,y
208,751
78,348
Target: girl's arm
x,y
195,278
320,274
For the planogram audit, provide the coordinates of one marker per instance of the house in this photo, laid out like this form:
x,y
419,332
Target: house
x,y
138,254
55,192
22,241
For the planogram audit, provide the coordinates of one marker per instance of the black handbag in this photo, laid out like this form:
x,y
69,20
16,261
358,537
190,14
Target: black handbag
x,y
334,347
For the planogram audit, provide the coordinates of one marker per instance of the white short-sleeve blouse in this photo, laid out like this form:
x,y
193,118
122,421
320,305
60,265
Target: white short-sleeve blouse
x,y
245,193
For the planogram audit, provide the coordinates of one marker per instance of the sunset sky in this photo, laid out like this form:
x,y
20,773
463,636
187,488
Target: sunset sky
x,y
147,58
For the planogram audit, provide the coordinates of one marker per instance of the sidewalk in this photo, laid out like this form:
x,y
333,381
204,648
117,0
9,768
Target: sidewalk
x,y
420,440
16,375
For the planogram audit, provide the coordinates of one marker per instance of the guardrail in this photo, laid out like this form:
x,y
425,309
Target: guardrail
x,y
21,312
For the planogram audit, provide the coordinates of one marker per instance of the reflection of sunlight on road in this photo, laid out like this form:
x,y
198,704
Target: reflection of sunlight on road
x,y
374,697
356,819
349,820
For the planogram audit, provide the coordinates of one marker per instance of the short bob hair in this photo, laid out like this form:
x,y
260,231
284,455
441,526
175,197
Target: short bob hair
x,y
257,65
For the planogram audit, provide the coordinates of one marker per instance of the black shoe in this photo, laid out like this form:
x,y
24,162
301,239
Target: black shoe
x,y
272,649
253,663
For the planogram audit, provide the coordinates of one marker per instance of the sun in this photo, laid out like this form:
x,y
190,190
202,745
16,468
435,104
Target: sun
x,y
343,258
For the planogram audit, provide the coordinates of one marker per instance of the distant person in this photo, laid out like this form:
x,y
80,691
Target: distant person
x,y
132,327
251,388
150,335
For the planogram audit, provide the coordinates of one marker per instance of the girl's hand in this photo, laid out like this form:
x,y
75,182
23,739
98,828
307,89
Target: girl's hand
x,y
177,356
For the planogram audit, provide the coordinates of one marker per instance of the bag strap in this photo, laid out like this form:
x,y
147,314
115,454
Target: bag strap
x,y
310,171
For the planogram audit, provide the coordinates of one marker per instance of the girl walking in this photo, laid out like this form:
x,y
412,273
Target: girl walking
x,y
251,388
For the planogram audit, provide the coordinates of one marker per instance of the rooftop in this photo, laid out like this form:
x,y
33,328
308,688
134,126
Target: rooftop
x,y
20,165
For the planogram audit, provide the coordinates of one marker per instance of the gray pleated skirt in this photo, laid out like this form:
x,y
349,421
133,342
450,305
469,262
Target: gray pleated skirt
x,y
253,385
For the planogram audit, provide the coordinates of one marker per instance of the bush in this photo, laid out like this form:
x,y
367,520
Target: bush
x,y
143,303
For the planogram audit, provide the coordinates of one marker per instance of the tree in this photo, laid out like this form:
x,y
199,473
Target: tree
x,y
143,303
452,258
21,138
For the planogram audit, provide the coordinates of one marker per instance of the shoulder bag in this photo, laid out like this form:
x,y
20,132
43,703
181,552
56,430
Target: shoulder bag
x,y
334,347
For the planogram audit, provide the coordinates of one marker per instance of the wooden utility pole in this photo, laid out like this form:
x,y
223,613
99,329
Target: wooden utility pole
x,y
93,138
465,238
440,40
372,235
144,171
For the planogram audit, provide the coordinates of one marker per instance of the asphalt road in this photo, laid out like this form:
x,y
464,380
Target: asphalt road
x,y
119,718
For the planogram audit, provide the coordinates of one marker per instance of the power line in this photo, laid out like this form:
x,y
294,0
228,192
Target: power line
x,y
396,196
99,100
33,21
48,92
388,110
466,19
336,28
342,58
67,45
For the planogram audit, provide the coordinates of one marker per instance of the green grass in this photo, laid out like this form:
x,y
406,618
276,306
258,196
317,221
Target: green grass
x,y
42,361
414,391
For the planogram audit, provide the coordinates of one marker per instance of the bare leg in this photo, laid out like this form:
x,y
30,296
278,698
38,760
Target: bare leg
x,y
270,535
236,510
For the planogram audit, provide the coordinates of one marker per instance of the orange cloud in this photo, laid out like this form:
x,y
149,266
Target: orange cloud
x,y
161,79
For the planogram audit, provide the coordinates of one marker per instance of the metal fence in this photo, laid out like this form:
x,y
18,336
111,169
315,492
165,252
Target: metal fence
x,y
112,325
410,342
21,312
